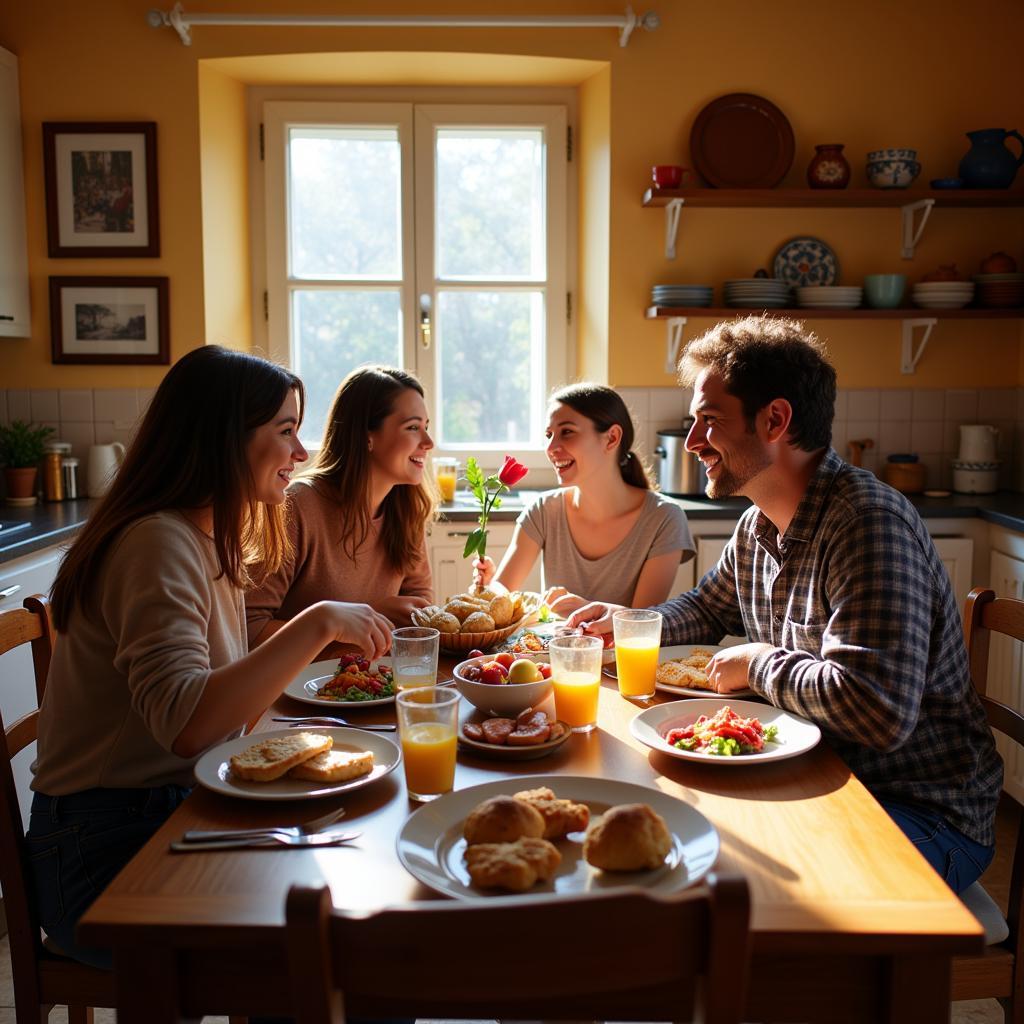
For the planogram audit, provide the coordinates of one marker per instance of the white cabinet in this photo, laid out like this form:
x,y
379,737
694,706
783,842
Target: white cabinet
x,y
21,578
957,554
14,314
453,574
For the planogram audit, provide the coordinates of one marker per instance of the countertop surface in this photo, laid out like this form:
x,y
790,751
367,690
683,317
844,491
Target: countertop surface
x,y
50,523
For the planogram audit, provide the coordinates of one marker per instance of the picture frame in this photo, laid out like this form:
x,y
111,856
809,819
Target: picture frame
x,y
110,320
101,188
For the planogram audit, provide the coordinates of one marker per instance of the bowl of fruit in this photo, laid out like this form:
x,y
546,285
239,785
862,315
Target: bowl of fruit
x,y
503,684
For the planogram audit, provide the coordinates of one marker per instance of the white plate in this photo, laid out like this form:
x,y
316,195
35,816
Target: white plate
x,y
684,651
213,768
304,686
430,844
796,734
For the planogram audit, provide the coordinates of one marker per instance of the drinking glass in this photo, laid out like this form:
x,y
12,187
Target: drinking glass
x,y
576,677
446,472
428,718
414,656
637,634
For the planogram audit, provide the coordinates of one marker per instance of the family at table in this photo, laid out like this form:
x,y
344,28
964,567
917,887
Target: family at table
x,y
207,579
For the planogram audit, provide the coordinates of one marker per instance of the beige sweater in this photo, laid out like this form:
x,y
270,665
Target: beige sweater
x,y
319,569
124,681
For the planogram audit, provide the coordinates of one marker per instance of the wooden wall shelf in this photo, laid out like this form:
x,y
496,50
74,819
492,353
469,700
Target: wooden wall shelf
x,y
829,198
728,312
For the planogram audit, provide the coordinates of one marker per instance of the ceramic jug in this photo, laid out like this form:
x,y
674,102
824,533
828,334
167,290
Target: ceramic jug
x,y
104,462
978,442
989,163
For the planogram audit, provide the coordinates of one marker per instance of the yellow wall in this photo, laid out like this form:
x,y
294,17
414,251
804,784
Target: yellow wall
x,y
875,73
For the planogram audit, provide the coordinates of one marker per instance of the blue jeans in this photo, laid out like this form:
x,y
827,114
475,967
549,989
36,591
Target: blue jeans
x,y
78,843
956,857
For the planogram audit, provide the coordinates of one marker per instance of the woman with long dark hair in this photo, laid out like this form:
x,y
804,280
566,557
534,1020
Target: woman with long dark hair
x,y
151,666
358,516
605,530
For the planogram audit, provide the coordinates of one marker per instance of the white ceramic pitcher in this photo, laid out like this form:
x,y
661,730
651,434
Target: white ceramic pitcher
x,y
104,462
978,442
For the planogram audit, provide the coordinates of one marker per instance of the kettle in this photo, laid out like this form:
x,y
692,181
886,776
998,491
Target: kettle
x,y
102,466
679,471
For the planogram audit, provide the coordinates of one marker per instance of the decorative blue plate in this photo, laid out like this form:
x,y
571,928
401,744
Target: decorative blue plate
x,y
806,260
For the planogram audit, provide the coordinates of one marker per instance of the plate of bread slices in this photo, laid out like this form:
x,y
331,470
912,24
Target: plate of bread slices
x,y
681,670
294,764
522,838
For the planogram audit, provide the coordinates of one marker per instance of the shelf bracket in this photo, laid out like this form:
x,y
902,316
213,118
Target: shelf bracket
x,y
672,211
675,342
910,236
910,358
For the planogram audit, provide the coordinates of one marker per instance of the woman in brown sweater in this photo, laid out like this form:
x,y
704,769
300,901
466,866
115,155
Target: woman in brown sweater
x,y
358,517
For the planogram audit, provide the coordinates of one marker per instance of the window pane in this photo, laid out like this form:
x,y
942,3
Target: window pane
x,y
345,203
490,349
334,332
490,204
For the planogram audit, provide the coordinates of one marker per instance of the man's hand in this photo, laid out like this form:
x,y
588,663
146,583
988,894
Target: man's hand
x,y
728,671
594,619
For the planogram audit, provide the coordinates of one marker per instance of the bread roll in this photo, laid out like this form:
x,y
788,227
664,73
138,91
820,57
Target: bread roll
x,y
630,837
444,622
516,866
478,622
560,816
502,819
269,760
500,609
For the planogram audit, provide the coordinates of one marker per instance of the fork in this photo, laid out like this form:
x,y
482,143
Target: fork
x,y
268,840
202,835
333,720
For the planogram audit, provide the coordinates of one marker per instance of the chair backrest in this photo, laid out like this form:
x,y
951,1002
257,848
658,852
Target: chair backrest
x,y
619,955
30,624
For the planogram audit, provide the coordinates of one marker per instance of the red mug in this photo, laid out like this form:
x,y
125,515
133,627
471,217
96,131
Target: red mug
x,y
669,175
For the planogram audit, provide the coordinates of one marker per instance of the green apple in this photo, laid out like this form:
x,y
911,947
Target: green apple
x,y
523,670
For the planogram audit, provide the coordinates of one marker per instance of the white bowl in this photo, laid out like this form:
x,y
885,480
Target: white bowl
x,y
507,699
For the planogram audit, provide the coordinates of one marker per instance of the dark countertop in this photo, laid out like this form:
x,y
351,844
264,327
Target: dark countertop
x,y
57,522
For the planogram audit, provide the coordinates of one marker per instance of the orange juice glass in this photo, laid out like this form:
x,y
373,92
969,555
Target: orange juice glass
x,y
637,634
576,678
446,472
427,721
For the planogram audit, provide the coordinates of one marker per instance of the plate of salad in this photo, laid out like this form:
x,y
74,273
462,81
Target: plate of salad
x,y
724,731
353,681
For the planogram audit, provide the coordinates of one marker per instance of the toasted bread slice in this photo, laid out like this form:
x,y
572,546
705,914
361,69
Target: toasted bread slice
x,y
334,766
269,760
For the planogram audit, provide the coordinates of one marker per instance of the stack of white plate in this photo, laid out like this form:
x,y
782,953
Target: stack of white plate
x,y
829,296
757,293
682,295
942,294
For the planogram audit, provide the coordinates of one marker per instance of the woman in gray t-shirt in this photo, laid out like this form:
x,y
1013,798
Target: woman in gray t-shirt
x,y
604,534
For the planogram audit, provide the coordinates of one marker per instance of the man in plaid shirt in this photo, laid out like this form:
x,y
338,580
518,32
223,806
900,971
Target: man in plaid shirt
x,y
835,580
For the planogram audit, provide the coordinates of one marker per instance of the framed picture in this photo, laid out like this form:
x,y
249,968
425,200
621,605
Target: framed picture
x,y
109,320
101,195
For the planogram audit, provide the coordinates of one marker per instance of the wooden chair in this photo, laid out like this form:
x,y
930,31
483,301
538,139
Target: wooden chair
x,y
998,972
621,955
41,978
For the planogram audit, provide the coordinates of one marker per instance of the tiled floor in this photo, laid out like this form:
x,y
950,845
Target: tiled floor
x,y
979,1011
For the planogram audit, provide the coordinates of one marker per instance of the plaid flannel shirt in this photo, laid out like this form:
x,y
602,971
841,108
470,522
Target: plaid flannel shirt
x,y
866,639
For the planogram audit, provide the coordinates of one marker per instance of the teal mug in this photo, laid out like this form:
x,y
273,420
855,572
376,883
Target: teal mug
x,y
884,291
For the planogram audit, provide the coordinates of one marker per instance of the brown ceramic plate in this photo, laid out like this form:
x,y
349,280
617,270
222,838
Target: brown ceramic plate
x,y
742,141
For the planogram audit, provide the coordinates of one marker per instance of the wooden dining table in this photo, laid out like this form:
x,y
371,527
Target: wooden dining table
x,y
848,921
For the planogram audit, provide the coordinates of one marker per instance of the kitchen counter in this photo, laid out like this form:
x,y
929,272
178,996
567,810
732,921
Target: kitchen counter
x,y
52,523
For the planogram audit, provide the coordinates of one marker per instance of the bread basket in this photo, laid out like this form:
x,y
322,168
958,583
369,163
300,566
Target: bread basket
x,y
460,642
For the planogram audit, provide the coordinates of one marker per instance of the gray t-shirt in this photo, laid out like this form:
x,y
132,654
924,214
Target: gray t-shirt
x,y
660,529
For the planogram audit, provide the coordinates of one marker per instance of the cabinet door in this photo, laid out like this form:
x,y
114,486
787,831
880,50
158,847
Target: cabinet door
x,y
685,578
709,551
14,313
453,573
956,554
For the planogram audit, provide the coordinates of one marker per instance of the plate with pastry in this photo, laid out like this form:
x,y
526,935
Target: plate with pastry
x,y
527,837
726,731
352,681
681,671
531,734
289,764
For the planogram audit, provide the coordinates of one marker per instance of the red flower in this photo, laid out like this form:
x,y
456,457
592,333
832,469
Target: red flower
x,y
512,472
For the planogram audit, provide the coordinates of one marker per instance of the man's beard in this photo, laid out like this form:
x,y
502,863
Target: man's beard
x,y
730,480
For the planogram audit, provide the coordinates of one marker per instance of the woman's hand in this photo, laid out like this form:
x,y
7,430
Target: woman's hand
x,y
360,625
594,619
399,608
483,571
561,602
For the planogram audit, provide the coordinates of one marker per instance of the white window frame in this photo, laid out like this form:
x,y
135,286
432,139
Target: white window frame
x,y
409,117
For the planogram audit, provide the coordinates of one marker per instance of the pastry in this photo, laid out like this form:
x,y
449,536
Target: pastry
x,y
630,837
516,866
502,819
560,816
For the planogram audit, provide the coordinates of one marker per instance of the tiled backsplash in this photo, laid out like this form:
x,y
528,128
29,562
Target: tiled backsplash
x,y
926,422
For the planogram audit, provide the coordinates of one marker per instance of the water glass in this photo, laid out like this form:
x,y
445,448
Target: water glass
x,y
428,719
414,656
576,678
446,473
637,634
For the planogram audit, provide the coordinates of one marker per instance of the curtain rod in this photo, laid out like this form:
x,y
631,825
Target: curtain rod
x,y
182,23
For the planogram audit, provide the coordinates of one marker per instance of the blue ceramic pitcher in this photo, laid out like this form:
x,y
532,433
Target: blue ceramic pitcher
x,y
988,163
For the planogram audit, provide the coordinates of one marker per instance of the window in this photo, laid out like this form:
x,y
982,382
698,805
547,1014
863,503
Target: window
x,y
431,237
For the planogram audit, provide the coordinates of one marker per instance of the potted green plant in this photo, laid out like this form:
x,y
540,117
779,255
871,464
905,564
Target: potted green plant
x,y
21,450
